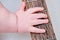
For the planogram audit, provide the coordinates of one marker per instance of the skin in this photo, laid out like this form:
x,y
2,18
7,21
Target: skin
x,y
21,21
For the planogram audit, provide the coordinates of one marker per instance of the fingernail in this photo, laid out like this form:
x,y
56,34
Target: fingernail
x,y
42,8
42,31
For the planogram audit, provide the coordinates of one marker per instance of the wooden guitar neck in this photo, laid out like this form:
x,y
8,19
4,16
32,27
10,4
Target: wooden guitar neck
x,y
49,34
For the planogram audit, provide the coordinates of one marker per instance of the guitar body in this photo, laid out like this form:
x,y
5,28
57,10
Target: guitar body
x,y
49,34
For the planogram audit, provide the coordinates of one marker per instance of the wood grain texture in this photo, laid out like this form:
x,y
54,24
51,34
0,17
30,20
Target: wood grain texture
x,y
49,34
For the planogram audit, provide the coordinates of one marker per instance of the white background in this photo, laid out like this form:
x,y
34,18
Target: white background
x,y
54,10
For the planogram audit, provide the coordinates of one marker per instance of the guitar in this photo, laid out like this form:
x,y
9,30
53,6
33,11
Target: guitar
x,y
49,34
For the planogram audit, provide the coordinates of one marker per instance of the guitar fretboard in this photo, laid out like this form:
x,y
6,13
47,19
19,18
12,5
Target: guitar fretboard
x,y
49,34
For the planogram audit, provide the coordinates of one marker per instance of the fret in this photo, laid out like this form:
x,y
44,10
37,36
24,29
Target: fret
x,y
49,34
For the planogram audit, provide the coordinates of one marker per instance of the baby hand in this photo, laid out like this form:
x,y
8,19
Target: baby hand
x,y
26,19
